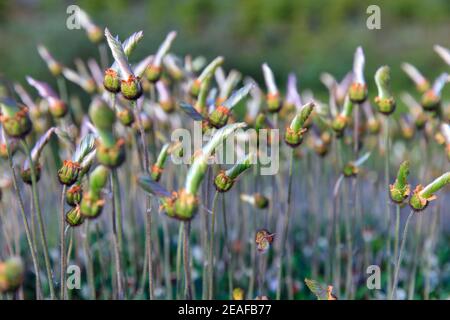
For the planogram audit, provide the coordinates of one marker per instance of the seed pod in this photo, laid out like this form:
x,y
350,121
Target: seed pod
x,y
273,96
14,119
57,107
238,294
25,173
340,122
351,168
431,99
165,100
93,32
74,195
54,66
416,76
91,205
131,88
294,133
185,205
385,101
11,274
173,67
158,167
358,89
421,196
153,71
219,117
98,179
225,179
261,201
263,239
373,124
125,116
74,217
112,156
399,191
207,72
68,173
111,81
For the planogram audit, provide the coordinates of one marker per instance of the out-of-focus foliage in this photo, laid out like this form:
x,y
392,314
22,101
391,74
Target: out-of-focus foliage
x,y
308,35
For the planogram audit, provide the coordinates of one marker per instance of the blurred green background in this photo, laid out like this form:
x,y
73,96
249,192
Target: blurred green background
x,y
307,37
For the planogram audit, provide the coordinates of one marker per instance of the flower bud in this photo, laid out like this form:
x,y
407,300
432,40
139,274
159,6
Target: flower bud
x,y
350,170
339,124
113,156
74,217
358,89
111,81
263,239
430,101
14,119
399,191
219,117
374,125
91,205
11,274
384,100
421,196
222,182
185,205
273,102
261,202
98,179
58,109
125,116
68,173
131,88
74,195
358,92
294,133
102,116
195,88
25,173
238,294
153,73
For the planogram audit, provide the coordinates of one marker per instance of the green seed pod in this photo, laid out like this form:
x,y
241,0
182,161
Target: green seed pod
x,y
421,196
113,156
125,116
111,81
399,191
261,202
358,89
385,101
185,205
74,195
274,102
153,73
69,172
74,217
430,101
58,109
294,133
102,116
14,119
98,179
350,170
11,274
225,179
219,117
131,88
91,205
26,173
207,72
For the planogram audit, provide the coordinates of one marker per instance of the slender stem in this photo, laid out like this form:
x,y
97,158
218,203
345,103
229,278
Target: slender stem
x,y
396,235
286,224
388,207
118,210
400,256
187,267
120,292
89,262
178,266
211,249
62,240
31,244
228,260
40,220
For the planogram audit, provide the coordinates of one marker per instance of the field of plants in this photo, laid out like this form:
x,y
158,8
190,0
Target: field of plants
x,y
117,191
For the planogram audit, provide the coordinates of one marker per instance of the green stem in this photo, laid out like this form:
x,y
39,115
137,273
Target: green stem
x,y
286,224
62,240
120,292
211,249
388,208
400,256
40,220
31,244
187,267
397,233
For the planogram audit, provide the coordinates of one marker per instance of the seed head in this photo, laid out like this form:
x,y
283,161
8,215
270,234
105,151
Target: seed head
x,y
399,191
69,172
74,217
74,195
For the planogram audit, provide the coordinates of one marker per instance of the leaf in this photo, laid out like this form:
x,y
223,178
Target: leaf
x,y
141,66
153,187
238,96
39,146
119,55
43,89
191,112
86,146
362,159
444,53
